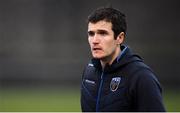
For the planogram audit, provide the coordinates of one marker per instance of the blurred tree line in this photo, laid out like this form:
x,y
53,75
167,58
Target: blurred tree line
x,y
44,42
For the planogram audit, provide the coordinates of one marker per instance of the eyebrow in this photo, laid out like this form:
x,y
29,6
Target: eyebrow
x,y
104,31
100,30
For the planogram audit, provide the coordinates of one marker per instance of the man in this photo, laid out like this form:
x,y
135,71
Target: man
x,y
116,79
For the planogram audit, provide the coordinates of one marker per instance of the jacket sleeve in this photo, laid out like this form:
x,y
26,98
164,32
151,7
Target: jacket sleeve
x,y
148,92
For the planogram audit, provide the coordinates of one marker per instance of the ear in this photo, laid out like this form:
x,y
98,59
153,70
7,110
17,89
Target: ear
x,y
120,38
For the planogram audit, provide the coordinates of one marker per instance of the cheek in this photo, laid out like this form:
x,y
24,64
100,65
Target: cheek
x,y
110,47
89,41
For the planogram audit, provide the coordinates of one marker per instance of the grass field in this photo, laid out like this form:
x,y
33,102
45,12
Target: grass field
x,y
172,100
51,100
58,100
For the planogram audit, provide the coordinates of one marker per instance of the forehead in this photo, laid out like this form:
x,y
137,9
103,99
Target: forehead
x,y
100,25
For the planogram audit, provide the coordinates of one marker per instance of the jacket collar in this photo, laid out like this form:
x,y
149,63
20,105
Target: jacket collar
x,y
126,56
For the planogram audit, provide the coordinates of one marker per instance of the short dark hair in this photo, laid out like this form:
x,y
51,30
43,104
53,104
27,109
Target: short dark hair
x,y
110,15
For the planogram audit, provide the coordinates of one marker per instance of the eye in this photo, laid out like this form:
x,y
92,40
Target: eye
x,y
91,33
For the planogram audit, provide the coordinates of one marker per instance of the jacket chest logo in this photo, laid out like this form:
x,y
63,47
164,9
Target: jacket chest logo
x,y
115,83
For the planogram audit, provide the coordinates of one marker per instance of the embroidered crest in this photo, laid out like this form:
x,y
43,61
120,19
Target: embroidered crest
x,y
115,83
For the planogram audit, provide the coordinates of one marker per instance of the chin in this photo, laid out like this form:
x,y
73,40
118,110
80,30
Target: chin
x,y
97,57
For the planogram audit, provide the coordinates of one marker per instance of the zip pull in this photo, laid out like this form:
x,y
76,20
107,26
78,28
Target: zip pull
x,y
101,76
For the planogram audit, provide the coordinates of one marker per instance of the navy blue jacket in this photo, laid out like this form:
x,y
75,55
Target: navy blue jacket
x,y
126,85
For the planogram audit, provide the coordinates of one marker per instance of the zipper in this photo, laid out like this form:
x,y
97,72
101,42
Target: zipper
x,y
99,93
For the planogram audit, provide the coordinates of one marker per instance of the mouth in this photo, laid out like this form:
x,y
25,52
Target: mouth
x,y
96,49
97,52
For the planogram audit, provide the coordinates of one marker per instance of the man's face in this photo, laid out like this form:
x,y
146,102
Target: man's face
x,y
101,39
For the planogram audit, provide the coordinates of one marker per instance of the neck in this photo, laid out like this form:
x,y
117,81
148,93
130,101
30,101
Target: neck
x,y
109,59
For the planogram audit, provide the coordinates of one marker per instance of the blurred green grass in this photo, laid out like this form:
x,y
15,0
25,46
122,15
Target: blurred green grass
x,y
40,100
171,99
59,100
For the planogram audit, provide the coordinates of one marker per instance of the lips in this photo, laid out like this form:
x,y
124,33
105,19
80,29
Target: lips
x,y
97,52
96,48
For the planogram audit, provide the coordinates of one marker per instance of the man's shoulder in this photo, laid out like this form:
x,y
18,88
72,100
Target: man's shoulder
x,y
89,68
142,73
139,70
136,66
93,64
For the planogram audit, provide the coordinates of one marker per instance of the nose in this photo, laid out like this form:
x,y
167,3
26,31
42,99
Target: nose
x,y
95,39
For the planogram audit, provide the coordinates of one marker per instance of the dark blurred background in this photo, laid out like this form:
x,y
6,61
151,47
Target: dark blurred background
x,y
44,42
